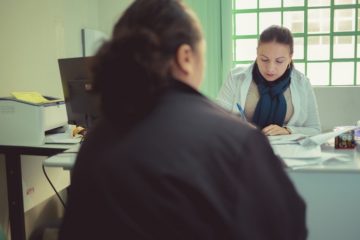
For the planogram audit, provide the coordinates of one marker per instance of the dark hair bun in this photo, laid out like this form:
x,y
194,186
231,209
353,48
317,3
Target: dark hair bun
x,y
132,69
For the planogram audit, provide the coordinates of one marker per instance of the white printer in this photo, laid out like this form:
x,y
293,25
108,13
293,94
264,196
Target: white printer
x,y
23,123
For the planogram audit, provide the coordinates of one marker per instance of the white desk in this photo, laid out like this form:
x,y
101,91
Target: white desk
x,y
65,160
332,195
331,192
14,180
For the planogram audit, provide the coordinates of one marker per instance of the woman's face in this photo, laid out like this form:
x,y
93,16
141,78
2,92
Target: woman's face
x,y
273,59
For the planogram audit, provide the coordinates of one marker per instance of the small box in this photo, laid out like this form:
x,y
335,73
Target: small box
x,y
345,140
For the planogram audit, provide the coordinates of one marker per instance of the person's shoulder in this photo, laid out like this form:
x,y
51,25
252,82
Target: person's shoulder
x,y
241,70
240,73
299,78
234,133
225,121
100,137
297,74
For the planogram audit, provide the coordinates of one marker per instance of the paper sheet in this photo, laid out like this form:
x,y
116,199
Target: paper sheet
x,y
31,97
299,151
325,159
286,139
296,151
62,138
308,141
324,137
296,163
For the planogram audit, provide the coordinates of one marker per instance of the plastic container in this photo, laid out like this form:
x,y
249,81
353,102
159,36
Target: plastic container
x,y
357,136
345,140
357,133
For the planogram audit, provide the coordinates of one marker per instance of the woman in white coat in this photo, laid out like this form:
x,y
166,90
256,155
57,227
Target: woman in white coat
x,y
271,93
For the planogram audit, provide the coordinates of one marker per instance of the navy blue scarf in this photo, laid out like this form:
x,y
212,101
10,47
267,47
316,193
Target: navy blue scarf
x,y
271,107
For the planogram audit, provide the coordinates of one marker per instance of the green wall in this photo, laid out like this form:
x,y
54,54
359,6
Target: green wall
x,y
215,17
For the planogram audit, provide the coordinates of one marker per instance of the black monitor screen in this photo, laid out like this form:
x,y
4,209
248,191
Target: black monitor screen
x,y
81,103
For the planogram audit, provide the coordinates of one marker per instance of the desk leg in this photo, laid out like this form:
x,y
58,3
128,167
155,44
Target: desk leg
x,y
15,195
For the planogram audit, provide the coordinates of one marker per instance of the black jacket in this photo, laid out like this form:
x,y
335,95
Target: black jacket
x,y
188,171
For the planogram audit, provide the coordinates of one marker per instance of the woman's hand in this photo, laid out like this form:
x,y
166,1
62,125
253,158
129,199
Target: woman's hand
x,y
273,129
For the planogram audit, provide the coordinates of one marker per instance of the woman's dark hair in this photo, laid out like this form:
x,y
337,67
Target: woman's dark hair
x,y
278,34
132,69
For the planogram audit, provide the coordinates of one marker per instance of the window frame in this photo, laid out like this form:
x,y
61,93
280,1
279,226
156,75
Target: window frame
x,y
332,34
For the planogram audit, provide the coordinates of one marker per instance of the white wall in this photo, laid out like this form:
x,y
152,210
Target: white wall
x,y
109,13
34,34
338,106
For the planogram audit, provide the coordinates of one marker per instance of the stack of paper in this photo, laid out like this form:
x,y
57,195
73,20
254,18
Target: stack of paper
x,y
32,97
298,150
326,158
308,141
64,138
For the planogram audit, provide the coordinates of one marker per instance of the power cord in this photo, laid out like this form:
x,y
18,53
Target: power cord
x,y
53,187
48,179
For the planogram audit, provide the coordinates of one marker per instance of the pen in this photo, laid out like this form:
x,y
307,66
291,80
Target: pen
x,y
242,113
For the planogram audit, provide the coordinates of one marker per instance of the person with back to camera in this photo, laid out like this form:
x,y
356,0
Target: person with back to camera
x,y
165,162
275,96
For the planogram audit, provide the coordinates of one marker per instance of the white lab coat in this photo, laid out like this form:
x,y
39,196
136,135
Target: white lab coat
x,y
305,118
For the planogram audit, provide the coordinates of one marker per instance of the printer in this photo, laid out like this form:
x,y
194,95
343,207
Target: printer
x,y
24,123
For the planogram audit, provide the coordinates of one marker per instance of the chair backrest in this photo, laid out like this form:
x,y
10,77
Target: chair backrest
x,y
338,106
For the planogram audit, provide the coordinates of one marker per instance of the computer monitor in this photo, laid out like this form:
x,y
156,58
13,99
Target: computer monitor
x,y
81,103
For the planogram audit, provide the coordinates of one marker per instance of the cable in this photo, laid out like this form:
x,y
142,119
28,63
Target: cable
x,y
7,233
53,187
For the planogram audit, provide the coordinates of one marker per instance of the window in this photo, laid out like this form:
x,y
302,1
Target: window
x,y
326,35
